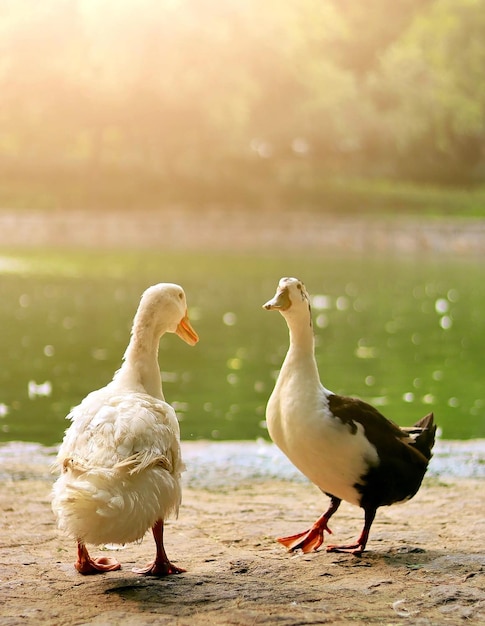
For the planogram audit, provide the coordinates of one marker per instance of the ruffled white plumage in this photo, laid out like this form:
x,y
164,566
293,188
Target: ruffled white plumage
x,y
120,461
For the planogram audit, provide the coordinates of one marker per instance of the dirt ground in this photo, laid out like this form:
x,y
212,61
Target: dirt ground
x,y
424,565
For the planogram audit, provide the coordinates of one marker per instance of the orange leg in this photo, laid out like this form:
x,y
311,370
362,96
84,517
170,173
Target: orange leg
x,y
86,565
161,566
311,539
358,547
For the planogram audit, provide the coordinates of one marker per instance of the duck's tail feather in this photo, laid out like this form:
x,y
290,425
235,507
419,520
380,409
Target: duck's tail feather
x,y
423,434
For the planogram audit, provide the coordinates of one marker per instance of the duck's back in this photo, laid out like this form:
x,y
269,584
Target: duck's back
x,y
121,467
320,445
403,453
349,449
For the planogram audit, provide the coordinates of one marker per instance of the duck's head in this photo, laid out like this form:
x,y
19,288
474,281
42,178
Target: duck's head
x,y
164,305
291,296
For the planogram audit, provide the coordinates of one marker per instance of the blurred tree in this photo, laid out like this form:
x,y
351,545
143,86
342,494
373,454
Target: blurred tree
x,y
432,82
370,28
222,99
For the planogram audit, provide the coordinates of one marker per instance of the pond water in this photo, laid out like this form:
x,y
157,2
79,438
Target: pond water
x,y
404,334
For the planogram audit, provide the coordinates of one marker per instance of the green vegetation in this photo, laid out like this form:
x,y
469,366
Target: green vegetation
x,y
330,105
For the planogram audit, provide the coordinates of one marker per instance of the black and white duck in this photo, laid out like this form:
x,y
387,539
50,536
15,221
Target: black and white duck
x,y
343,445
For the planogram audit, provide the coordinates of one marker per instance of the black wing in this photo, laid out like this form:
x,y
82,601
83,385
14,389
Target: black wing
x,y
402,461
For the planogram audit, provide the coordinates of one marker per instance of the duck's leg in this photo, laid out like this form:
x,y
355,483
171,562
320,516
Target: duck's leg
x,y
311,539
86,565
161,566
358,547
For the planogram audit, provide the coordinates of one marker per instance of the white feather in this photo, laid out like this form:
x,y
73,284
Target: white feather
x,y
120,460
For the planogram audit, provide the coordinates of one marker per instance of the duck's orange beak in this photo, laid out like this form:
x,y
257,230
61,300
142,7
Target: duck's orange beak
x,y
186,332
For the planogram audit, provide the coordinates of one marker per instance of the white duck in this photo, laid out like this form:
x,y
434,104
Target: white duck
x,y
343,445
120,459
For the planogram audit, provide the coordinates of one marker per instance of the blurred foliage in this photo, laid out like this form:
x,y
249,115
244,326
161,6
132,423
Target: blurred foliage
x,y
139,102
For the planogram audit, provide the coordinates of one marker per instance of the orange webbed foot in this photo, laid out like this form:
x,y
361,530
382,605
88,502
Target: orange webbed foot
x,y
309,540
356,549
160,569
87,566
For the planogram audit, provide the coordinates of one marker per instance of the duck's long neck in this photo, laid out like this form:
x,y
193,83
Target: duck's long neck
x,y
140,370
301,351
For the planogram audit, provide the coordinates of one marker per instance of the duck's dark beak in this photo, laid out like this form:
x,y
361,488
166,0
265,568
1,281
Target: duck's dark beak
x,y
281,301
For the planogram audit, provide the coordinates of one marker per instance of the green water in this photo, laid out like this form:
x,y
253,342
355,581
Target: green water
x,y
407,335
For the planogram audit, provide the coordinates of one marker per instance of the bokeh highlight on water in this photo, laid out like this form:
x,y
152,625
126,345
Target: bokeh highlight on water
x,y
405,334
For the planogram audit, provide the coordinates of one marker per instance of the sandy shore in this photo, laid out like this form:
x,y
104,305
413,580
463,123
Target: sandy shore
x,y
425,562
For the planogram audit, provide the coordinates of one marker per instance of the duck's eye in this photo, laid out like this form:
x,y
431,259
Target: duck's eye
x,y
181,295
300,288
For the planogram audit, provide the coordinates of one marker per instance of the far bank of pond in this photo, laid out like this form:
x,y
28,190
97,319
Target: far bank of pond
x,y
213,228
